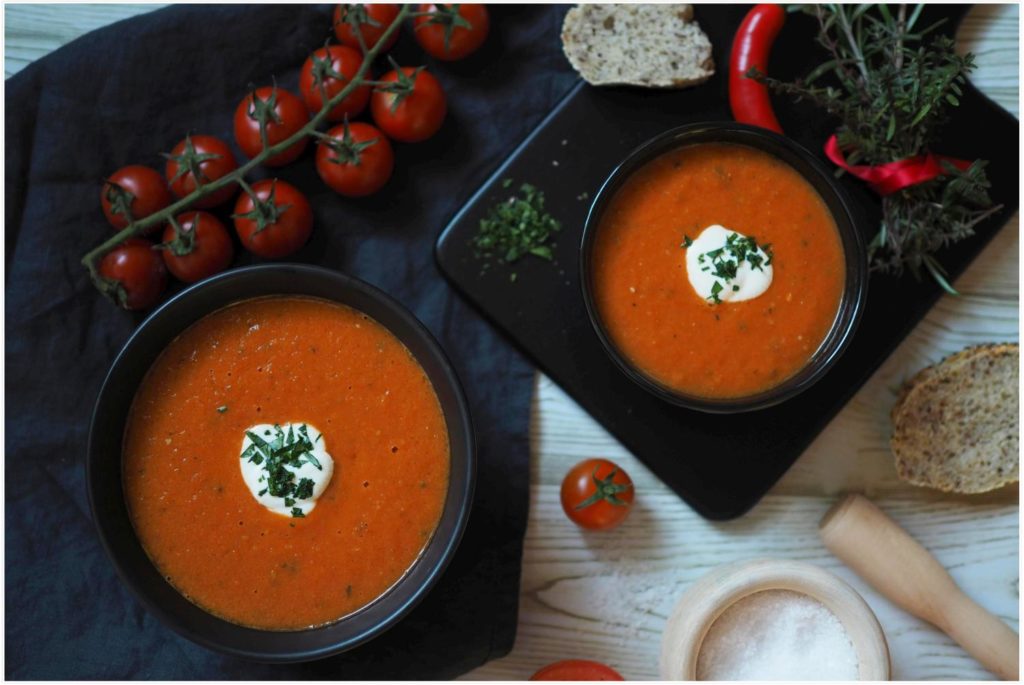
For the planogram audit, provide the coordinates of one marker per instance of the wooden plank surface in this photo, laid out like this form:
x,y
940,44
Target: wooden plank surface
x,y
606,596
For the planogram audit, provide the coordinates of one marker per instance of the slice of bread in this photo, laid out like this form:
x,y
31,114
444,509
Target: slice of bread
x,y
956,425
946,364
654,46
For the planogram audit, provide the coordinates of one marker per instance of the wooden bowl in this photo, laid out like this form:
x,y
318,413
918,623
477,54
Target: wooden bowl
x,y
706,599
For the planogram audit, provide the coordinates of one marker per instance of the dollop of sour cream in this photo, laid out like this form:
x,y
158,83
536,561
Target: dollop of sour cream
x,y
726,266
286,466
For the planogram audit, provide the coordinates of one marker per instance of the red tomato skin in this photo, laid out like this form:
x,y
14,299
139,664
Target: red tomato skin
x,y
375,166
578,485
381,12
463,41
418,116
293,115
148,187
139,269
211,253
346,62
576,669
213,169
292,229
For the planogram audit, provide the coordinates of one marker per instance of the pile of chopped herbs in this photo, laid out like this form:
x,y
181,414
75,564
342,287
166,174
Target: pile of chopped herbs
x,y
517,227
890,83
293,448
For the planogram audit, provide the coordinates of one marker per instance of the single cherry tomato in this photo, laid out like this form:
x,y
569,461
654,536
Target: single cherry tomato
x,y
325,74
451,32
410,106
355,159
198,160
576,669
131,193
284,114
137,274
597,494
372,21
197,248
277,222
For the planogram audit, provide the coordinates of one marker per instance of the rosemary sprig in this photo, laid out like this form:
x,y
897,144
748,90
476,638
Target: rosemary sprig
x,y
92,258
891,84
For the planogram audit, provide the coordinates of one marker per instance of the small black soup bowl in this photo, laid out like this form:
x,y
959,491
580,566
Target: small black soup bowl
x,y
820,178
106,493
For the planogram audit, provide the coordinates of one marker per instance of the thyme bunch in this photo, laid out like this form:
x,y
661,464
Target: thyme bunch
x,y
891,86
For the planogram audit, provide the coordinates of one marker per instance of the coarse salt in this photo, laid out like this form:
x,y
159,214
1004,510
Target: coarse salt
x,y
777,635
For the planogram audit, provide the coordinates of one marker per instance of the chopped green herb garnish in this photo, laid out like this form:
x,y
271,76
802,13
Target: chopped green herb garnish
x,y
284,450
686,241
304,490
297,513
724,262
715,289
517,227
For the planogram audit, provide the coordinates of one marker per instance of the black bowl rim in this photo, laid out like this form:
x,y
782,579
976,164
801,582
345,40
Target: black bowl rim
x,y
465,496
854,249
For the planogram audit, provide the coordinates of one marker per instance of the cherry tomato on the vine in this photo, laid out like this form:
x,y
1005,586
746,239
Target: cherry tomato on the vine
x,y
597,494
355,159
133,192
201,248
329,69
372,19
451,32
284,114
410,106
277,222
206,157
139,273
576,669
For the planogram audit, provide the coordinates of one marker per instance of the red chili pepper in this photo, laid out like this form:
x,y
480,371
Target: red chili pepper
x,y
749,99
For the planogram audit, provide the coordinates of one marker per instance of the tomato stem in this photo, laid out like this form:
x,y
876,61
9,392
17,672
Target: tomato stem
x,y
92,258
607,490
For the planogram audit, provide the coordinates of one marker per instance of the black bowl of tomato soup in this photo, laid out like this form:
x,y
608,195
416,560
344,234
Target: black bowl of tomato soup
x,y
281,462
722,268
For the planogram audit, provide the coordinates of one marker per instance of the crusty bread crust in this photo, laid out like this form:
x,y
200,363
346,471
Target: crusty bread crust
x,y
654,46
956,424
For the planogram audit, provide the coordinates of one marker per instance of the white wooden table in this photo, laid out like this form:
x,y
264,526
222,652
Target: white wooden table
x,y
606,596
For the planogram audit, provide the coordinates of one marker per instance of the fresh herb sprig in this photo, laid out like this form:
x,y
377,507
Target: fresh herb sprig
x,y
282,450
516,227
893,83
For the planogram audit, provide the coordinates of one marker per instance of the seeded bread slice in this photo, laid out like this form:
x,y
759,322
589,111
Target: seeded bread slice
x,y
654,46
957,427
947,364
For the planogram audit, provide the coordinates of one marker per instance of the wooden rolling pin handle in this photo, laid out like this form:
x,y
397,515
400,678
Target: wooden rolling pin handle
x,y
895,564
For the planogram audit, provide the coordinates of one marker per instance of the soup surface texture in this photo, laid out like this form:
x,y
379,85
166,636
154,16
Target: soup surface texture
x,y
655,317
275,361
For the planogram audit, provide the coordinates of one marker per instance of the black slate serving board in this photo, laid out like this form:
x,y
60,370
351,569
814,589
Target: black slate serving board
x,y
721,465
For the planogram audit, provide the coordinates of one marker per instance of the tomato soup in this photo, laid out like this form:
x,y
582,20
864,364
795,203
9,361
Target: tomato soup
x,y
274,362
693,342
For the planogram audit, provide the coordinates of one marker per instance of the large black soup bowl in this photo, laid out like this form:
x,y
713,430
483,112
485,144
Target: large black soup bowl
x,y
820,178
106,493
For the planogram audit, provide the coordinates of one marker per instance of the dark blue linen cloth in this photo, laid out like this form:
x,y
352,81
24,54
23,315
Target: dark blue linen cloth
x,y
128,92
